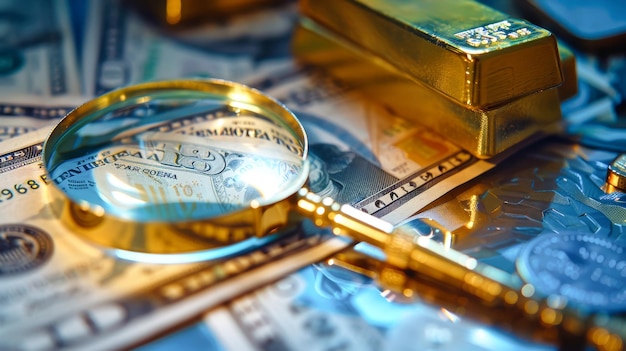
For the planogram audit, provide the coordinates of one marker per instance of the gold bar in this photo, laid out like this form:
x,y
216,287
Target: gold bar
x,y
477,56
484,132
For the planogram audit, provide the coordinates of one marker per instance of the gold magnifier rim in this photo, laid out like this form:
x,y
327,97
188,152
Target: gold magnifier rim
x,y
92,222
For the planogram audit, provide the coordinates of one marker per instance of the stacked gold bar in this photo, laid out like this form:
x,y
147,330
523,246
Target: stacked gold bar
x,y
473,74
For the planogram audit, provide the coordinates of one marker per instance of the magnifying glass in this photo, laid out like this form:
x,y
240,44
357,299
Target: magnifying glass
x,y
177,167
195,168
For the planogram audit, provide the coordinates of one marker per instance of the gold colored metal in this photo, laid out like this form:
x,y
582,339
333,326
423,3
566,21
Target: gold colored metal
x,y
547,323
469,52
616,174
416,265
483,132
406,251
163,237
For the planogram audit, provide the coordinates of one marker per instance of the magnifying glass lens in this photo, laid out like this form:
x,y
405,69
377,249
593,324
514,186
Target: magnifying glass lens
x,y
177,151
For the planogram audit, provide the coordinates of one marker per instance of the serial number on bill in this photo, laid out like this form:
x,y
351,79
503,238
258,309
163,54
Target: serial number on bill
x,y
21,188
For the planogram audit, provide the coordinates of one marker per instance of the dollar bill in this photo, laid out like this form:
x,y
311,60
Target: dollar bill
x,y
37,50
291,313
194,337
22,115
402,166
121,49
322,307
59,292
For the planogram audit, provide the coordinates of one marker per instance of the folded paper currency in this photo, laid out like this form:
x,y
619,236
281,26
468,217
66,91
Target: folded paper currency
x,y
59,292
293,312
38,50
20,114
122,49
413,165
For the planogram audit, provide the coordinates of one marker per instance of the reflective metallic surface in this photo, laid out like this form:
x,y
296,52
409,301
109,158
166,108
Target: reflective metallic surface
x,y
510,217
585,269
616,174
484,132
469,52
544,322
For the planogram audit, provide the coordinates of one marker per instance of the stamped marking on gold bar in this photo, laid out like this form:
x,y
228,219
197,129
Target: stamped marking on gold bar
x,y
484,36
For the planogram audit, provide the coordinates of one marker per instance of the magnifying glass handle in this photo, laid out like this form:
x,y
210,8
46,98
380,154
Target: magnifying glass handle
x,y
427,258
408,251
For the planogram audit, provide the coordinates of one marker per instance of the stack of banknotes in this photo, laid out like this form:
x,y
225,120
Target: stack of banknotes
x,y
307,289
